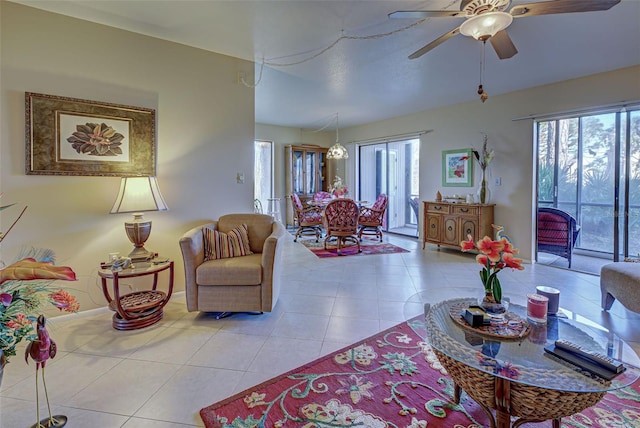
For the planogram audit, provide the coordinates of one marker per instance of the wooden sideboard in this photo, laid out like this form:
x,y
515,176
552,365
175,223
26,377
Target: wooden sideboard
x,y
448,224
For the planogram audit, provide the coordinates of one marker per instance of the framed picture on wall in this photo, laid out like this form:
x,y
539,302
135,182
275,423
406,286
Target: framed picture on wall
x,y
457,168
69,136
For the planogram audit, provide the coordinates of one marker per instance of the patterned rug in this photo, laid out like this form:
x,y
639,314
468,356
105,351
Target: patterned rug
x,y
391,379
368,246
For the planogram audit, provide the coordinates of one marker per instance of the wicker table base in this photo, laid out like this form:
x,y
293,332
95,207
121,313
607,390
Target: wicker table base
x,y
512,399
143,308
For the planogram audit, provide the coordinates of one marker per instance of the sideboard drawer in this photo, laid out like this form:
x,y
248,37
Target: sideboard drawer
x,y
465,210
438,208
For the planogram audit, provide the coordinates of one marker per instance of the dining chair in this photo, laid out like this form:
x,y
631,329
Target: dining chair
x,y
322,196
372,219
309,219
341,223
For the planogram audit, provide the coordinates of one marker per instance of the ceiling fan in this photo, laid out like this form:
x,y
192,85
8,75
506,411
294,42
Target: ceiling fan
x,y
488,19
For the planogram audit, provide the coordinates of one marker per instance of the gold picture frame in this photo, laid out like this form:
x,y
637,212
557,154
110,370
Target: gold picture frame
x,y
70,136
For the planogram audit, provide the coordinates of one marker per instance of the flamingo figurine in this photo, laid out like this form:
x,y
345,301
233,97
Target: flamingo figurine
x,y
40,350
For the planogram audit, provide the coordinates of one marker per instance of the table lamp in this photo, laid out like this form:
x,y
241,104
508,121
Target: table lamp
x,y
138,194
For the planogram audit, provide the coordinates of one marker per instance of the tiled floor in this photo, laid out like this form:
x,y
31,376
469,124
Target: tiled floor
x,y
161,376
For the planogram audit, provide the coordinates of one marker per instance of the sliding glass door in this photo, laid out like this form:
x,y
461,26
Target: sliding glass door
x,y
392,168
589,166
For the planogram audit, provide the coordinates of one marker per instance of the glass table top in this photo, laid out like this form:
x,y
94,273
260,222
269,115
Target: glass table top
x,y
523,360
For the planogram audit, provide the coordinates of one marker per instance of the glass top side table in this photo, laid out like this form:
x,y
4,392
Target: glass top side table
x,y
137,309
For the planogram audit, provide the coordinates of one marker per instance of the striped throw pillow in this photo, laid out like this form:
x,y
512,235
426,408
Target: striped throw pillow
x,y
218,245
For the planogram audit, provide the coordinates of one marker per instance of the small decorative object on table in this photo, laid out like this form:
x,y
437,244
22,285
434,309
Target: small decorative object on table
x,y
510,327
484,159
494,255
338,189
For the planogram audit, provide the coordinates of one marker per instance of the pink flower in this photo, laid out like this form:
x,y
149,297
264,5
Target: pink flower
x,y
468,244
65,301
512,262
491,248
20,321
5,299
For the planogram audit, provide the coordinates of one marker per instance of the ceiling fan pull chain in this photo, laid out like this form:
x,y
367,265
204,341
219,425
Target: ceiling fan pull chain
x,y
481,92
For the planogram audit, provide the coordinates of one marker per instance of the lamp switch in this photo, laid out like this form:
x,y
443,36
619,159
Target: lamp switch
x,y
240,178
498,181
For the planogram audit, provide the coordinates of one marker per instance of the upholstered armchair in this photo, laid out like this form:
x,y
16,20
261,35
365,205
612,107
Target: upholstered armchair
x,y
372,219
322,196
341,223
309,219
621,280
246,283
557,232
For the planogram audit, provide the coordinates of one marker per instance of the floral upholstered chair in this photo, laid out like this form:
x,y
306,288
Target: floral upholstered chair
x,y
341,223
372,219
309,219
322,196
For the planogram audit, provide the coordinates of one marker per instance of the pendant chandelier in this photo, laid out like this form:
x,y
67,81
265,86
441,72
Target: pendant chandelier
x,y
337,151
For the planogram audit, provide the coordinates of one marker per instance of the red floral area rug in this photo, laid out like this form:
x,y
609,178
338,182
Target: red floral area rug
x,y
392,379
368,246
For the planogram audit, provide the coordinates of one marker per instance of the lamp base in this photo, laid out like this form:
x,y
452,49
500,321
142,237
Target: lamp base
x,y
140,254
138,232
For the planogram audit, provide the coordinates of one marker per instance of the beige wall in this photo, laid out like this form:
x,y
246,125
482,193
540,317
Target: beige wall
x,y
462,125
205,132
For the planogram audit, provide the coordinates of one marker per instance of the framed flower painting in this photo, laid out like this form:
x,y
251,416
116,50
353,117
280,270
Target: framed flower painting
x,y
457,168
69,136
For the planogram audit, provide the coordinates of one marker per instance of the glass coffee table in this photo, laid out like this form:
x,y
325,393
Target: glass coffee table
x,y
513,375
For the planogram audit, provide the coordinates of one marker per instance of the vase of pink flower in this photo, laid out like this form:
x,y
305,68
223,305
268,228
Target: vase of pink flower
x,y
493,256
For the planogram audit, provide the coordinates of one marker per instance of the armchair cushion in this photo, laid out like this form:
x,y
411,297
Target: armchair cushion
x,y
231,271
220,245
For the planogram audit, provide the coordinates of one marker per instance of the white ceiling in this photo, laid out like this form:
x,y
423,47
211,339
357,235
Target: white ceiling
x,y
371,79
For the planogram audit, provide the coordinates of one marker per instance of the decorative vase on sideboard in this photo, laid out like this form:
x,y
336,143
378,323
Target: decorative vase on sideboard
x,y
483,193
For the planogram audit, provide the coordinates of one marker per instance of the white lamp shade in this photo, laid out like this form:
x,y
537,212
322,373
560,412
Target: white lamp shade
x,y
138,194
486,25
337,151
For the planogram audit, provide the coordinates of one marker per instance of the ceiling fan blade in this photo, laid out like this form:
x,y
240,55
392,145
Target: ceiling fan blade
x,y
419,14
503,45
561,6
423,50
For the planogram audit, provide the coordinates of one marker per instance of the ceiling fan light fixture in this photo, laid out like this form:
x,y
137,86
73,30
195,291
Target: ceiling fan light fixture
x,y
483,26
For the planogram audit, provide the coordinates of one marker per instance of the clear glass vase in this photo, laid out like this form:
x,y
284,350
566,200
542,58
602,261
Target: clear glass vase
x,y
484,193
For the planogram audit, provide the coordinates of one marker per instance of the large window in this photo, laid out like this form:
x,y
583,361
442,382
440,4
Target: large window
x,y
392,168
263,174
589,166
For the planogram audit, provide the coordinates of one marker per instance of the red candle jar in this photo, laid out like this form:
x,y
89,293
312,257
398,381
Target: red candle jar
x,y
537,308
